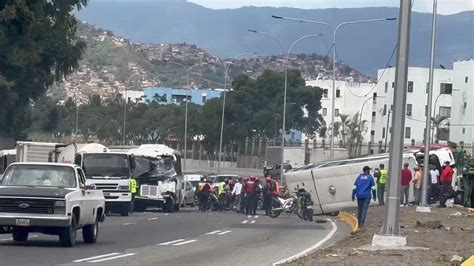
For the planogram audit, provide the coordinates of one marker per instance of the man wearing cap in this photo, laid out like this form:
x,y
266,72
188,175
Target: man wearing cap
x,y
364,189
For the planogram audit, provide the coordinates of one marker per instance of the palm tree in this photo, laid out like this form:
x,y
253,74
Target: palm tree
x,y
345,118
355,129
439,122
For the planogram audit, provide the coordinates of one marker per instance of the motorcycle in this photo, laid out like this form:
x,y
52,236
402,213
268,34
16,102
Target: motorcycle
x,y
280,205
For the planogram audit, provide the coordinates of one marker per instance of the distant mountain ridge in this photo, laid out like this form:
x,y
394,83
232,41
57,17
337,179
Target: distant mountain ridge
x,y
365,47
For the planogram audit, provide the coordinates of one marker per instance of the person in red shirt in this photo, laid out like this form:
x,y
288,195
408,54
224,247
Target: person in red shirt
x,y
445,182
406,179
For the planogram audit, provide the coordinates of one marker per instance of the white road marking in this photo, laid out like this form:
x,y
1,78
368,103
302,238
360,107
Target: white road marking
x,y
250,216
185,242
97,257
167,214
6,239
256,217
253,221
308,250
245,221
213,232
225,232
129,223
152,219
115,257
171,242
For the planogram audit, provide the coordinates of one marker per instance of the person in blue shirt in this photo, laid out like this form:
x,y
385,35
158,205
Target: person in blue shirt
x,y
364,189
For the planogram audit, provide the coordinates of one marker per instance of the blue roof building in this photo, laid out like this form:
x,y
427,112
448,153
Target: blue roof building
x,y
178,96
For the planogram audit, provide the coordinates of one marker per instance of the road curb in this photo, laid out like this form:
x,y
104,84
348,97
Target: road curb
x,y
468,262
350,219
311,249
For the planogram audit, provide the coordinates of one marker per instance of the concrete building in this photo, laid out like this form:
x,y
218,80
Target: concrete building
x,y
462,121
178,96
351,98
416,108
134,96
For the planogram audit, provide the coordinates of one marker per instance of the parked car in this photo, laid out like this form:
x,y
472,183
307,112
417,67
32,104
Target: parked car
x,y
50,198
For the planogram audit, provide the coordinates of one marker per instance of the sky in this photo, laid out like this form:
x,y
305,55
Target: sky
x,y
445,7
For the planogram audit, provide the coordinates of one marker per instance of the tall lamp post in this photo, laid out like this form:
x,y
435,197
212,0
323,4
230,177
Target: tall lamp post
x,y
125,109
188,70
283,131
226,73
334,30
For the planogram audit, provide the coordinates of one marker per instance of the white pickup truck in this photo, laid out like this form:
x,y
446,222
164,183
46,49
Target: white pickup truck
x,y
49,198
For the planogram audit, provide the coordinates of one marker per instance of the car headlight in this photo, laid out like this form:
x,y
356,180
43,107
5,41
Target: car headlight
x,y
59,210
126,188
59,203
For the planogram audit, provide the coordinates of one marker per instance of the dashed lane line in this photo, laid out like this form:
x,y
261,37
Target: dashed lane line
x,y
129,223
153,219
253,221
245,221
185,242
170,242
225,232
213,232
114,257
97,257
10,239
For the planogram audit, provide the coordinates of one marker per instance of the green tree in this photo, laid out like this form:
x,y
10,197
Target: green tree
x,y
38,46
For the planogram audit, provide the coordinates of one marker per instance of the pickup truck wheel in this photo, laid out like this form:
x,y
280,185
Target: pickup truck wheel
x,y
67,236
20,235
91,232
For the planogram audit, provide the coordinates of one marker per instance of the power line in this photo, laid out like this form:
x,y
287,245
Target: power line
x,y
378,80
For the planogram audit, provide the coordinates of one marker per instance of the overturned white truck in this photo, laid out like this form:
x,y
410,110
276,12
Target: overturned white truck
x,y
159,178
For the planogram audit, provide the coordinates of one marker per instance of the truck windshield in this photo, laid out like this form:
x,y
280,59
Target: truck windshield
x,y
39,176
106,164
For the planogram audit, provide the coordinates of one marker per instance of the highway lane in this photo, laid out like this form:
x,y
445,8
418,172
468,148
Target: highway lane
x,y
184,238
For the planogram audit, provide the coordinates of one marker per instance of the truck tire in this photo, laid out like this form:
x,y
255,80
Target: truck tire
x,y
91,232
67,236
125,210
20,234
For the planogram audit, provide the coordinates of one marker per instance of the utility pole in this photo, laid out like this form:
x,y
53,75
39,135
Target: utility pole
x,y
423,205
391,228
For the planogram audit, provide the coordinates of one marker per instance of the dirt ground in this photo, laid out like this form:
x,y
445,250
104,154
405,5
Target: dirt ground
x,y
455,237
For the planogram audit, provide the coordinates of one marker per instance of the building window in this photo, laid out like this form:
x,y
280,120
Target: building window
x,y
408,132
409,109
325,93
426,110
384,109
204,98
325,111
336,112
410,86
386,86
466,79
464,130
446,88
383,133
427,87
372,132
338,93
393,84
374,100
444,111
390,130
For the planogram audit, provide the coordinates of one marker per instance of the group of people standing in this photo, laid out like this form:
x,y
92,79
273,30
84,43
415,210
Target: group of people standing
x,y
244,193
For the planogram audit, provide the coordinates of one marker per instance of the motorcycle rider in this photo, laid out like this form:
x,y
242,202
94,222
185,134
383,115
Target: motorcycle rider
x,y
269,192
251,193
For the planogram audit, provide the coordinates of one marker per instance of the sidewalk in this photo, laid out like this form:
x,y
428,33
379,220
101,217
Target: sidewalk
x,y
444,231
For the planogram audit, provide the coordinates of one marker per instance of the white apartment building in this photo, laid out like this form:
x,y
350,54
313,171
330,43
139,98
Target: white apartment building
x,y
416,108
462,121
351,98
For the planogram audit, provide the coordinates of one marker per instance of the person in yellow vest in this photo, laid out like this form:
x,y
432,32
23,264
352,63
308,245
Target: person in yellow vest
x,y
381,176
133,187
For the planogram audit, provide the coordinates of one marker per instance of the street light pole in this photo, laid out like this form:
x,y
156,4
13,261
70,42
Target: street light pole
x,y
423,205
226,74
283,131
334,30
125,109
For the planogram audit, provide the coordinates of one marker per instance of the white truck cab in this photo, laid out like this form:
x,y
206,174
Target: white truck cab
x,y
49,198
108,171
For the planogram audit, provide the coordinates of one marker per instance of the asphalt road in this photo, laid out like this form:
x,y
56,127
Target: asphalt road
x,y
188,237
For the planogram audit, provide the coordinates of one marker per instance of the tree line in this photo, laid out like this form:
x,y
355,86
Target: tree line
x,y
253,109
